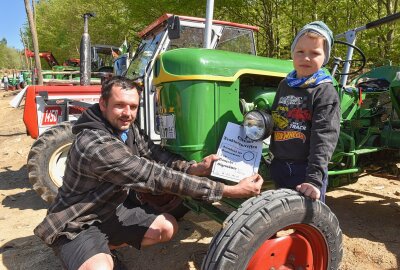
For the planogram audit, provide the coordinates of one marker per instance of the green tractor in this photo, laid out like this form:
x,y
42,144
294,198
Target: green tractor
x,y
202,90
370,105
190,95
197,92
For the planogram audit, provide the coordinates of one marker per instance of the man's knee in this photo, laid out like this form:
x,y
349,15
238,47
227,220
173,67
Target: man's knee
x,y
99,261
170,226
167,225
163,228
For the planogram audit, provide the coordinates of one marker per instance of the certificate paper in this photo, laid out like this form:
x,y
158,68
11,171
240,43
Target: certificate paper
x,y
239,155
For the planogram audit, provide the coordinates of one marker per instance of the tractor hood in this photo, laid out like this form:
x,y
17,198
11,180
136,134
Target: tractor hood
x,y
215,65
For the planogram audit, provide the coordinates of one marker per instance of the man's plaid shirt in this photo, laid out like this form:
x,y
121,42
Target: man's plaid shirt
x,y
99,172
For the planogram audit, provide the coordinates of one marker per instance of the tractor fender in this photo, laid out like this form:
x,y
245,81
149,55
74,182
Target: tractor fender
x,y
33,118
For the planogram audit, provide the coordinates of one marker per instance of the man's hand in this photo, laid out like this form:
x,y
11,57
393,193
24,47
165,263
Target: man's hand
x,y
247,187
204,167
309,190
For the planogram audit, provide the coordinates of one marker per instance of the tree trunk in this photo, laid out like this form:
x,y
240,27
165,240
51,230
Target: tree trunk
x,y
34,40
26,66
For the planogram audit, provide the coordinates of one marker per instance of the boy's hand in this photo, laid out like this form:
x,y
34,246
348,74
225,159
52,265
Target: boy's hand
x,y
309,190
247,187
204,167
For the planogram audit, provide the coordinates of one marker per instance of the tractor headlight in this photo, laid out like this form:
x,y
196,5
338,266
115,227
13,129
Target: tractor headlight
x,y
258,125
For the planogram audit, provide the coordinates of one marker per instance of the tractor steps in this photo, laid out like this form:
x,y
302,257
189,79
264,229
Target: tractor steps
x,y
366,150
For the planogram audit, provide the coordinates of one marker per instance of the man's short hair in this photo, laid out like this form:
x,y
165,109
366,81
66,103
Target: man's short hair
x,y
120,81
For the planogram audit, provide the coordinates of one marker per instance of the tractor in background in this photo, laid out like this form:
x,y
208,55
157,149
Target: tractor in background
x,y
102,58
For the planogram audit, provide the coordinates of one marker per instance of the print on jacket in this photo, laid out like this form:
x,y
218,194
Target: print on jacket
x,y
291,118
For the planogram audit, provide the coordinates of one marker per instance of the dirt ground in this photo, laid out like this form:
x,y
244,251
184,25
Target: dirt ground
x,y
368,212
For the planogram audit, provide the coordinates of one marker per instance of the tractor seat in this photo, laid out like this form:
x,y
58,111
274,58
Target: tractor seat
x,y
373,85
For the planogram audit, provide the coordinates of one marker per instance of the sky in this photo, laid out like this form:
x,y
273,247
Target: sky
x,y
12,18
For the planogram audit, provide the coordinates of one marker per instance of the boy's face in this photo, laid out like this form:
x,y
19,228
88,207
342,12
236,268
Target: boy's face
x,y
308,55
121,107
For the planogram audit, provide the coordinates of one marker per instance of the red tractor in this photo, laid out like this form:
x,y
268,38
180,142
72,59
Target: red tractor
x,y
48,56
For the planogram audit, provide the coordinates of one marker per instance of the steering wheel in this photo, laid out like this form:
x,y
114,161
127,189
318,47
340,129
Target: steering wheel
x,y
340,63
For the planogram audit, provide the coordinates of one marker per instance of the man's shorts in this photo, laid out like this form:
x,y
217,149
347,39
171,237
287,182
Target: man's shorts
x,y
128,226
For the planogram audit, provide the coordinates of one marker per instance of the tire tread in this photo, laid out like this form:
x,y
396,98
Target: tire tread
x,y
263,210
37,158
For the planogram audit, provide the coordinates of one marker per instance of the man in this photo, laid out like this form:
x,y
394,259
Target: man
x,y
91,213
5,82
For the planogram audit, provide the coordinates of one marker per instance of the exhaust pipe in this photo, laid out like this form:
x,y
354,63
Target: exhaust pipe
x,y
85,54
208,24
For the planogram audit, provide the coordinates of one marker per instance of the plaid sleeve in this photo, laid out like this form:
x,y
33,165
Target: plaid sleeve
x,y
155,152
112,161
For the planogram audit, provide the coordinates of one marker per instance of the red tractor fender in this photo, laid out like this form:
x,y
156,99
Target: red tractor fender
x,y
90,93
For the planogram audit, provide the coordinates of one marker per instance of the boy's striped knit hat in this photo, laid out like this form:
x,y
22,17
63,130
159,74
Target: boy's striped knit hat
x,y
319,28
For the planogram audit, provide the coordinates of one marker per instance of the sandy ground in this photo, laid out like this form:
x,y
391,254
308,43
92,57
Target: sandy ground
x,y
368,211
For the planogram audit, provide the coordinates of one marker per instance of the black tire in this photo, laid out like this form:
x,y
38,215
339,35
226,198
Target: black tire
x,y
258,227
46,160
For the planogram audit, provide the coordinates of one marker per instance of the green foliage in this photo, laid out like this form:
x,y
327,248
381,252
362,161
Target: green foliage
x,y
60,28
279,21
60,22
10,58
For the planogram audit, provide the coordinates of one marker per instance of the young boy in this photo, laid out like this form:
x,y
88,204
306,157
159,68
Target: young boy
x,y
306,113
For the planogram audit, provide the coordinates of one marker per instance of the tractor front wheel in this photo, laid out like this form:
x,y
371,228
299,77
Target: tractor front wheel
x,y
280,229
46,160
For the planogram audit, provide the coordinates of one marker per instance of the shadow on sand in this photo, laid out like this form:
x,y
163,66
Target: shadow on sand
x,y
28,253
179,254
11,180
375,220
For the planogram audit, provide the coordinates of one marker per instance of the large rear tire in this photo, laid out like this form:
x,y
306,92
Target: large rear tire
x,y
280,229
46,160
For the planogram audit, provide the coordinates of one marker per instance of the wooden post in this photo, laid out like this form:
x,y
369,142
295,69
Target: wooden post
x,y
27,66
32,26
